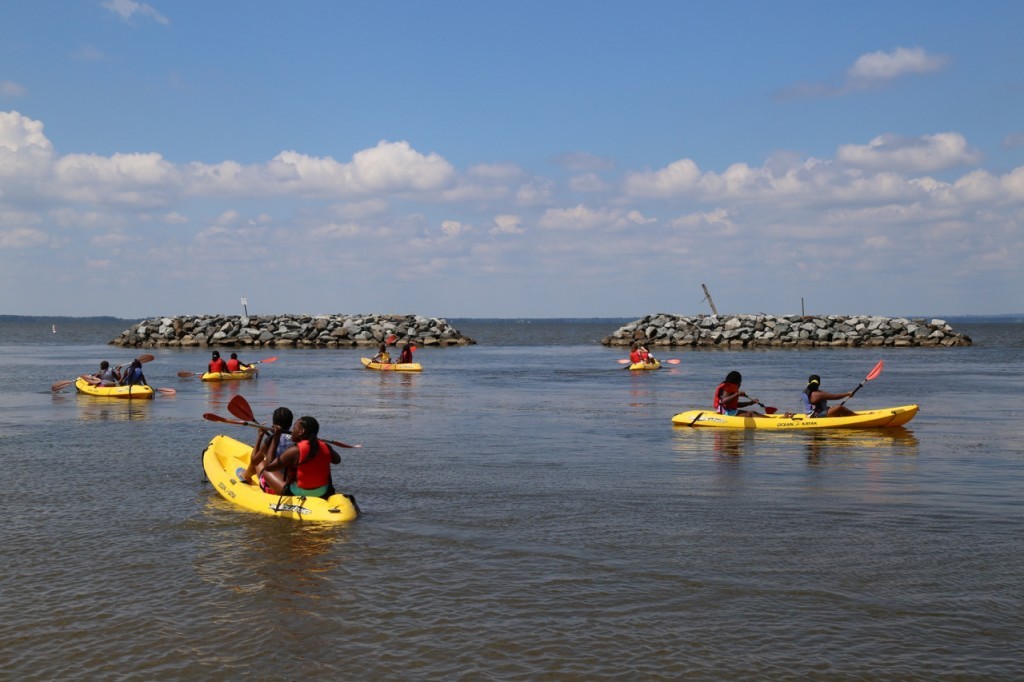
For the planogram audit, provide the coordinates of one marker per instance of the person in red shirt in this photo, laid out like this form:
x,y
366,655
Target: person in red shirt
x,y
217,364
307,462
727,397
234,364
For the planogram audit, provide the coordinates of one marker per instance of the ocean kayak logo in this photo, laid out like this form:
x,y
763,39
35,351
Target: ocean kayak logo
x,y
297,508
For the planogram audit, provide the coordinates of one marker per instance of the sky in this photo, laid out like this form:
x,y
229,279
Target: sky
x,y
579,158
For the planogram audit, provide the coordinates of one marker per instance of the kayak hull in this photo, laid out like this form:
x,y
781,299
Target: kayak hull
x,y
135,392
392,366
645,365
889,416
221,461
231,376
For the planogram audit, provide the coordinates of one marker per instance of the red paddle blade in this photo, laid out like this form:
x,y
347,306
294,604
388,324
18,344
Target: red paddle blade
x,y
673,361
876,371
146,358
61,384
623,361
167,391
771,410
183,373
239,407
268,360
391,339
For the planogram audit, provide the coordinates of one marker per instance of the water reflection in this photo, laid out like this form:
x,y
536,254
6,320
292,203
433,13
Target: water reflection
x,y
252,553
733,444
112,409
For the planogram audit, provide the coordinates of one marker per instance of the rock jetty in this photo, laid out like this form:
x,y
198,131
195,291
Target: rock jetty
x,y
786,331
290,331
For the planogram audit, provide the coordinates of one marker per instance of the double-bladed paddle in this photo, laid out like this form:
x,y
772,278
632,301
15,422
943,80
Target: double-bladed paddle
x,y
240,407
871,375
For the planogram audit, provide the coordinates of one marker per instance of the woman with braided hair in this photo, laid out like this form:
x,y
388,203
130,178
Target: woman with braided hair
x,y
816,400
307,462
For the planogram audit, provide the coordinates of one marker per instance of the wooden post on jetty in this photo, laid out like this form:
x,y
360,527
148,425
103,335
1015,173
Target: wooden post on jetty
x,y
707,297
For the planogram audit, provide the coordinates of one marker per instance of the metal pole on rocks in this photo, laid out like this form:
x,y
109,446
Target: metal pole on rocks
x,y
707,297
245,306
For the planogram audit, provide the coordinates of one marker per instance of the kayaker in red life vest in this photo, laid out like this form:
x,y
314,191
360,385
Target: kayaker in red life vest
x,y
308,462
217,363
234,364
816,400
728,394
638,354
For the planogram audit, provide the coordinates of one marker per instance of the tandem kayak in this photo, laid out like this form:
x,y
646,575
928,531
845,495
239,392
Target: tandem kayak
x,y
222,459
889,416
392,366
645,365
231,376
132,392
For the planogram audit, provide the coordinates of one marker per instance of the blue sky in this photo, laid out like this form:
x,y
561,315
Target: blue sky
x,y
526,159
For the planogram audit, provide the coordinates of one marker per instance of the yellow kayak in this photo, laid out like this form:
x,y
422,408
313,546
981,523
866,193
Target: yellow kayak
x,y
222,459
392,366
889,416
645,365
136,391
231,376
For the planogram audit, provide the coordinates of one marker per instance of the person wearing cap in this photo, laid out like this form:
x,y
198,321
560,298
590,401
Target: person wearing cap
x,y
217,364
816,400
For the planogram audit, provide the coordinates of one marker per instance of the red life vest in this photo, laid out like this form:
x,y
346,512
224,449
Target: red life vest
x,y
217,365
313,470
635,357
234,365
732,404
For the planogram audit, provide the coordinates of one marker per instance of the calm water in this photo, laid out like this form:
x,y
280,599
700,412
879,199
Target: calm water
x,y
530,513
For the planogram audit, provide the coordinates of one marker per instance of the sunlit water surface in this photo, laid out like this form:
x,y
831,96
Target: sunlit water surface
x,y
530,513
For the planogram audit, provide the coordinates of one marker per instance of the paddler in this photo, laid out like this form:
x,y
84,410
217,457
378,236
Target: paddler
x,y
816,400
728,394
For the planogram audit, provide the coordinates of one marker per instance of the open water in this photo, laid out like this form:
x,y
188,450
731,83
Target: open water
x,y
529,513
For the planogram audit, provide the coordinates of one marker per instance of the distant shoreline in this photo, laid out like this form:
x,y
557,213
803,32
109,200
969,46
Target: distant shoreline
x,y
1008,318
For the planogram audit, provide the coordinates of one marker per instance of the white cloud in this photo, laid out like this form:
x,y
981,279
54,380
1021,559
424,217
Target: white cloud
x,y
588,182
678,177
927,153
507,224
127,9
452,228
89,53
882,67
870,71
23,238
12,89
582,161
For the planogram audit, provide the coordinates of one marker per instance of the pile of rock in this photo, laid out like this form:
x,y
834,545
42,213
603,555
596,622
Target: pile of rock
x,y
290,331
757,331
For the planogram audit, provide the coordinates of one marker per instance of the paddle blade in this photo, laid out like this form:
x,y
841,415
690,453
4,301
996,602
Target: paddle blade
x,y
771,410
267,361
623,361
391,339
167,391
673,361
183,373
146,358
240,407
61,385
876,371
